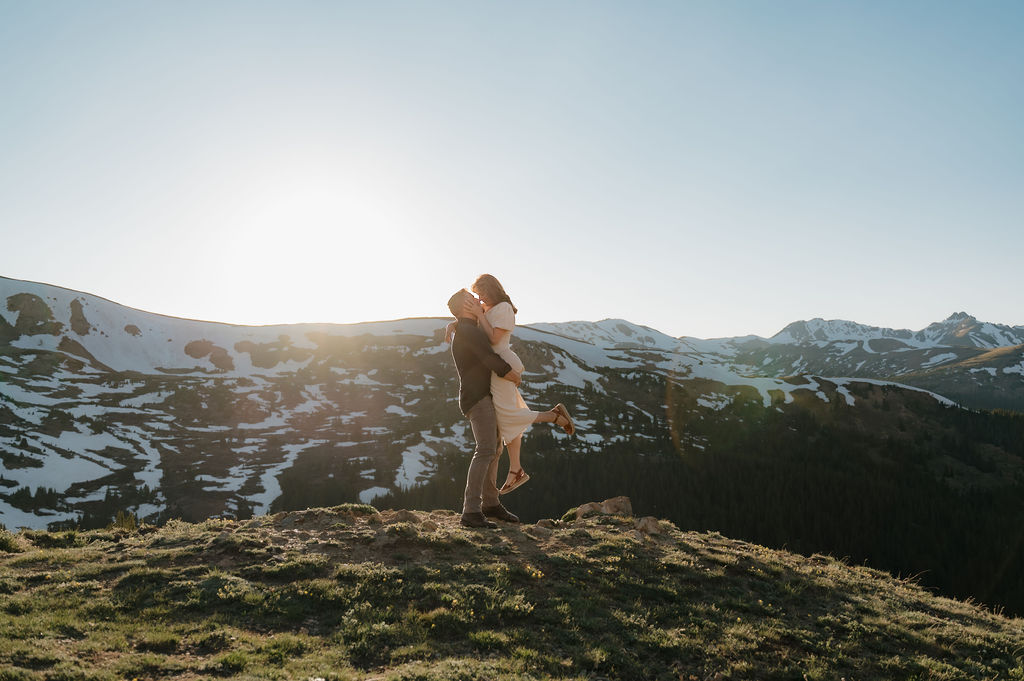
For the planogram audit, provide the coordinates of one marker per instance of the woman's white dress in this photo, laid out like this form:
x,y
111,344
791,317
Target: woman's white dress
x,y
514,416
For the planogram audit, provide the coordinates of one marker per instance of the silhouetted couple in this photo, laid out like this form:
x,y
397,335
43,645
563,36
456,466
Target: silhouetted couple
x,y
489,376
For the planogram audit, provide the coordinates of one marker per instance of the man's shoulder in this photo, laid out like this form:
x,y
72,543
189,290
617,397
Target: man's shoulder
x,y
469,332
468,328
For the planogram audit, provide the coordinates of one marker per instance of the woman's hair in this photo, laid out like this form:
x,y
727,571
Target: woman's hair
x,y
492,288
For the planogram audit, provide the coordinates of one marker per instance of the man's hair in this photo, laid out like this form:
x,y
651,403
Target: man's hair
x,y
456,301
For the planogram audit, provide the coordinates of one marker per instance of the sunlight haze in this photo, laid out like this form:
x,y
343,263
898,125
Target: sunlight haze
x,y
703,168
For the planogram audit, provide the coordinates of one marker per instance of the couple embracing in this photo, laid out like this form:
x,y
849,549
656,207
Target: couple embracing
x,y
489,376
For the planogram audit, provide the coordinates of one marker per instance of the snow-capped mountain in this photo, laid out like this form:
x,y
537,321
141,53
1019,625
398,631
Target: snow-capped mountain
x,y
958,330
108,336
963,330
977,364
816,331
106,408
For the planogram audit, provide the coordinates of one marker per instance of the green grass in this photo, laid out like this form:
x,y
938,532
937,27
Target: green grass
x,y
8,542
346,593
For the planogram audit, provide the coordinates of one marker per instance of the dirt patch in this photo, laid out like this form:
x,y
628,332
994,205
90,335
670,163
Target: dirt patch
x,y
79,324
73,347
34,315
884,345
218,356
133,330
199,349
269,355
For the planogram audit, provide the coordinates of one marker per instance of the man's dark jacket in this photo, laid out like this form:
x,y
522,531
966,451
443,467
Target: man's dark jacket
x,y
475,360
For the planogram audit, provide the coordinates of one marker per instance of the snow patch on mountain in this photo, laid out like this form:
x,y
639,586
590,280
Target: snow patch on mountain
x,y
939,359
612,333
1016,369
56,471
269,478
592,355
17,394
571,373
368,495
717,347
845,381
1000,337
845,347
415,465
152,473
714,401
15,519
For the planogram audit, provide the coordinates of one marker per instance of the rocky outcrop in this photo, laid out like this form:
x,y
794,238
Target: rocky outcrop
x,y
614,506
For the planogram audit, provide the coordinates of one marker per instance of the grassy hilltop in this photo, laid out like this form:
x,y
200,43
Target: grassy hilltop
x,y
352,593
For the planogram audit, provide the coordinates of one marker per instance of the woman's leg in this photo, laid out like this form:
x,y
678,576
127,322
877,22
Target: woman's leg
x,y
560,419
545,417
514,448
552,416
515,467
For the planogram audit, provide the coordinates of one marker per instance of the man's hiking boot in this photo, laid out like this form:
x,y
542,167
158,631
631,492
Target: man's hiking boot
x,y
499,512
477,520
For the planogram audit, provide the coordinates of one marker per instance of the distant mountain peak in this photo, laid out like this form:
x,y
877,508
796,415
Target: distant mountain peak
x,y
960,329
822,330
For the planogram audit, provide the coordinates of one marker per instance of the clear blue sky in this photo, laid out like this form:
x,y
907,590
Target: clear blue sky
x,y
706,168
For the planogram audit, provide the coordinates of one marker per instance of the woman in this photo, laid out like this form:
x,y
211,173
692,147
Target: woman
x,y
497,318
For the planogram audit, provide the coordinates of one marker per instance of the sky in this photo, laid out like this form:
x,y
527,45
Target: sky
x,y
707,169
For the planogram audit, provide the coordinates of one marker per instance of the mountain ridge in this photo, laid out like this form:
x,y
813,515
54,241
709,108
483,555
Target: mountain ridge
x,y
115,389
579,327
948,333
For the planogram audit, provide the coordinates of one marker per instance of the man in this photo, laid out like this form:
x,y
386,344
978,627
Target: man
x,y
475,361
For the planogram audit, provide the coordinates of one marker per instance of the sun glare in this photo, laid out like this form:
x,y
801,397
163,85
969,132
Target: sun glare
x,y
310,242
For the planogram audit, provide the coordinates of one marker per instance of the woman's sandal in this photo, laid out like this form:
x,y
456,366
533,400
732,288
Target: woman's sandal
x,y
517,480
560,410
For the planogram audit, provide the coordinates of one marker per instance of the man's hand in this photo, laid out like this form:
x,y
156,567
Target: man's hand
x,y
471,308
513,376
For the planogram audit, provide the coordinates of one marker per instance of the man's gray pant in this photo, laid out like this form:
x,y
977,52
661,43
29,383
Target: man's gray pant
x,y
482,480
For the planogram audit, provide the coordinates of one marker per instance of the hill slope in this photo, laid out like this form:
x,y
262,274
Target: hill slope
x,y
349,592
